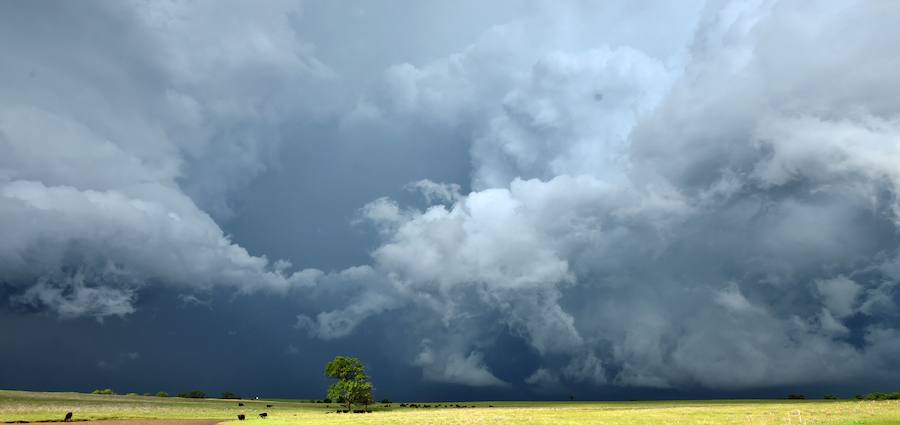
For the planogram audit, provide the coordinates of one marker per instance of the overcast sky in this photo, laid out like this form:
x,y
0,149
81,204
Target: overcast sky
x,y
481,200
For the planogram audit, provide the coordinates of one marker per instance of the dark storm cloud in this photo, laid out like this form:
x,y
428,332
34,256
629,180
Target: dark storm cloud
x,y
672,197
123,128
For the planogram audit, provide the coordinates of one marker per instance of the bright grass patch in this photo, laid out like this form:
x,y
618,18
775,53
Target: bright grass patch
x,y
38,406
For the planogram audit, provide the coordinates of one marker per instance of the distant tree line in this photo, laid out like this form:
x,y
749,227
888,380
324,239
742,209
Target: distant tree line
x,y
879,396
108,391
190,394
870,396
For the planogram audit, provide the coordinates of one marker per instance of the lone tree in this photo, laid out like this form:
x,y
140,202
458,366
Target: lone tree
x,y
352,386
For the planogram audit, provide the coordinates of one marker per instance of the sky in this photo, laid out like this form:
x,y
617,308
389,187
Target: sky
x,y
481,200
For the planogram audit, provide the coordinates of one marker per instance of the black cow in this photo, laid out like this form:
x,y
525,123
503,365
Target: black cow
x,y
68,417
241,417
240,404
268,405
263,415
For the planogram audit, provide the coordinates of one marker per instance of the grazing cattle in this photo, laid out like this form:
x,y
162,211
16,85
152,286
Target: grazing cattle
x,y
240,404
268,405
490,405
263,415
68,417
241,417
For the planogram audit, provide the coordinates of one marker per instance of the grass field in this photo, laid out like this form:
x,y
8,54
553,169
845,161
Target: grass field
x,y
35,406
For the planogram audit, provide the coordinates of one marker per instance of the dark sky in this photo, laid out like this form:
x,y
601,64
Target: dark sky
x,y
518,200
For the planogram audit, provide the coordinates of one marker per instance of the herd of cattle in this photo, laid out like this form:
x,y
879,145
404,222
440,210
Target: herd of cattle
x,y
425,406
262,415
415,406
265,415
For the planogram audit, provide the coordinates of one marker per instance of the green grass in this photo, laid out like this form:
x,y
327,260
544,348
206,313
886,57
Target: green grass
x,y
38,406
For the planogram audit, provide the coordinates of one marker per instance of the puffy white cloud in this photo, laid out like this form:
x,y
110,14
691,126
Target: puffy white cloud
x,y
456,368
708,216
572,115
839,295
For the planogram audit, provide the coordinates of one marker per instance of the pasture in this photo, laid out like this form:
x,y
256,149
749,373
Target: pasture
x,y
17,406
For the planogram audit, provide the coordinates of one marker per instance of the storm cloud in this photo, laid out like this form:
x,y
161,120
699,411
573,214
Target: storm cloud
x,y
698,195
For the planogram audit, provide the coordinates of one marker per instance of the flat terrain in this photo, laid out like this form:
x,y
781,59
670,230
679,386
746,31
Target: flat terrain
x,y
35,406
151,422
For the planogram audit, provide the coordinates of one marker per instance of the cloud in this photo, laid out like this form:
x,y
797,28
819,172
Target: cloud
x,y
702,217
122,134
456,368
70,296
354,294
144,233
680,196
544,380
839,295
437,192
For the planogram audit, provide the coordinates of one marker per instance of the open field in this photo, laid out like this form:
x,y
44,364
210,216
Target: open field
x,y
36,406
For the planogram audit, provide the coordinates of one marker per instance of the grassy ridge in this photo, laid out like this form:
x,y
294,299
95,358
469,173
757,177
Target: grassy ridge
x,y
35,406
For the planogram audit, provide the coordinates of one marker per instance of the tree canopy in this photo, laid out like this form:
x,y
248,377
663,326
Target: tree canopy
x,y
352,386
